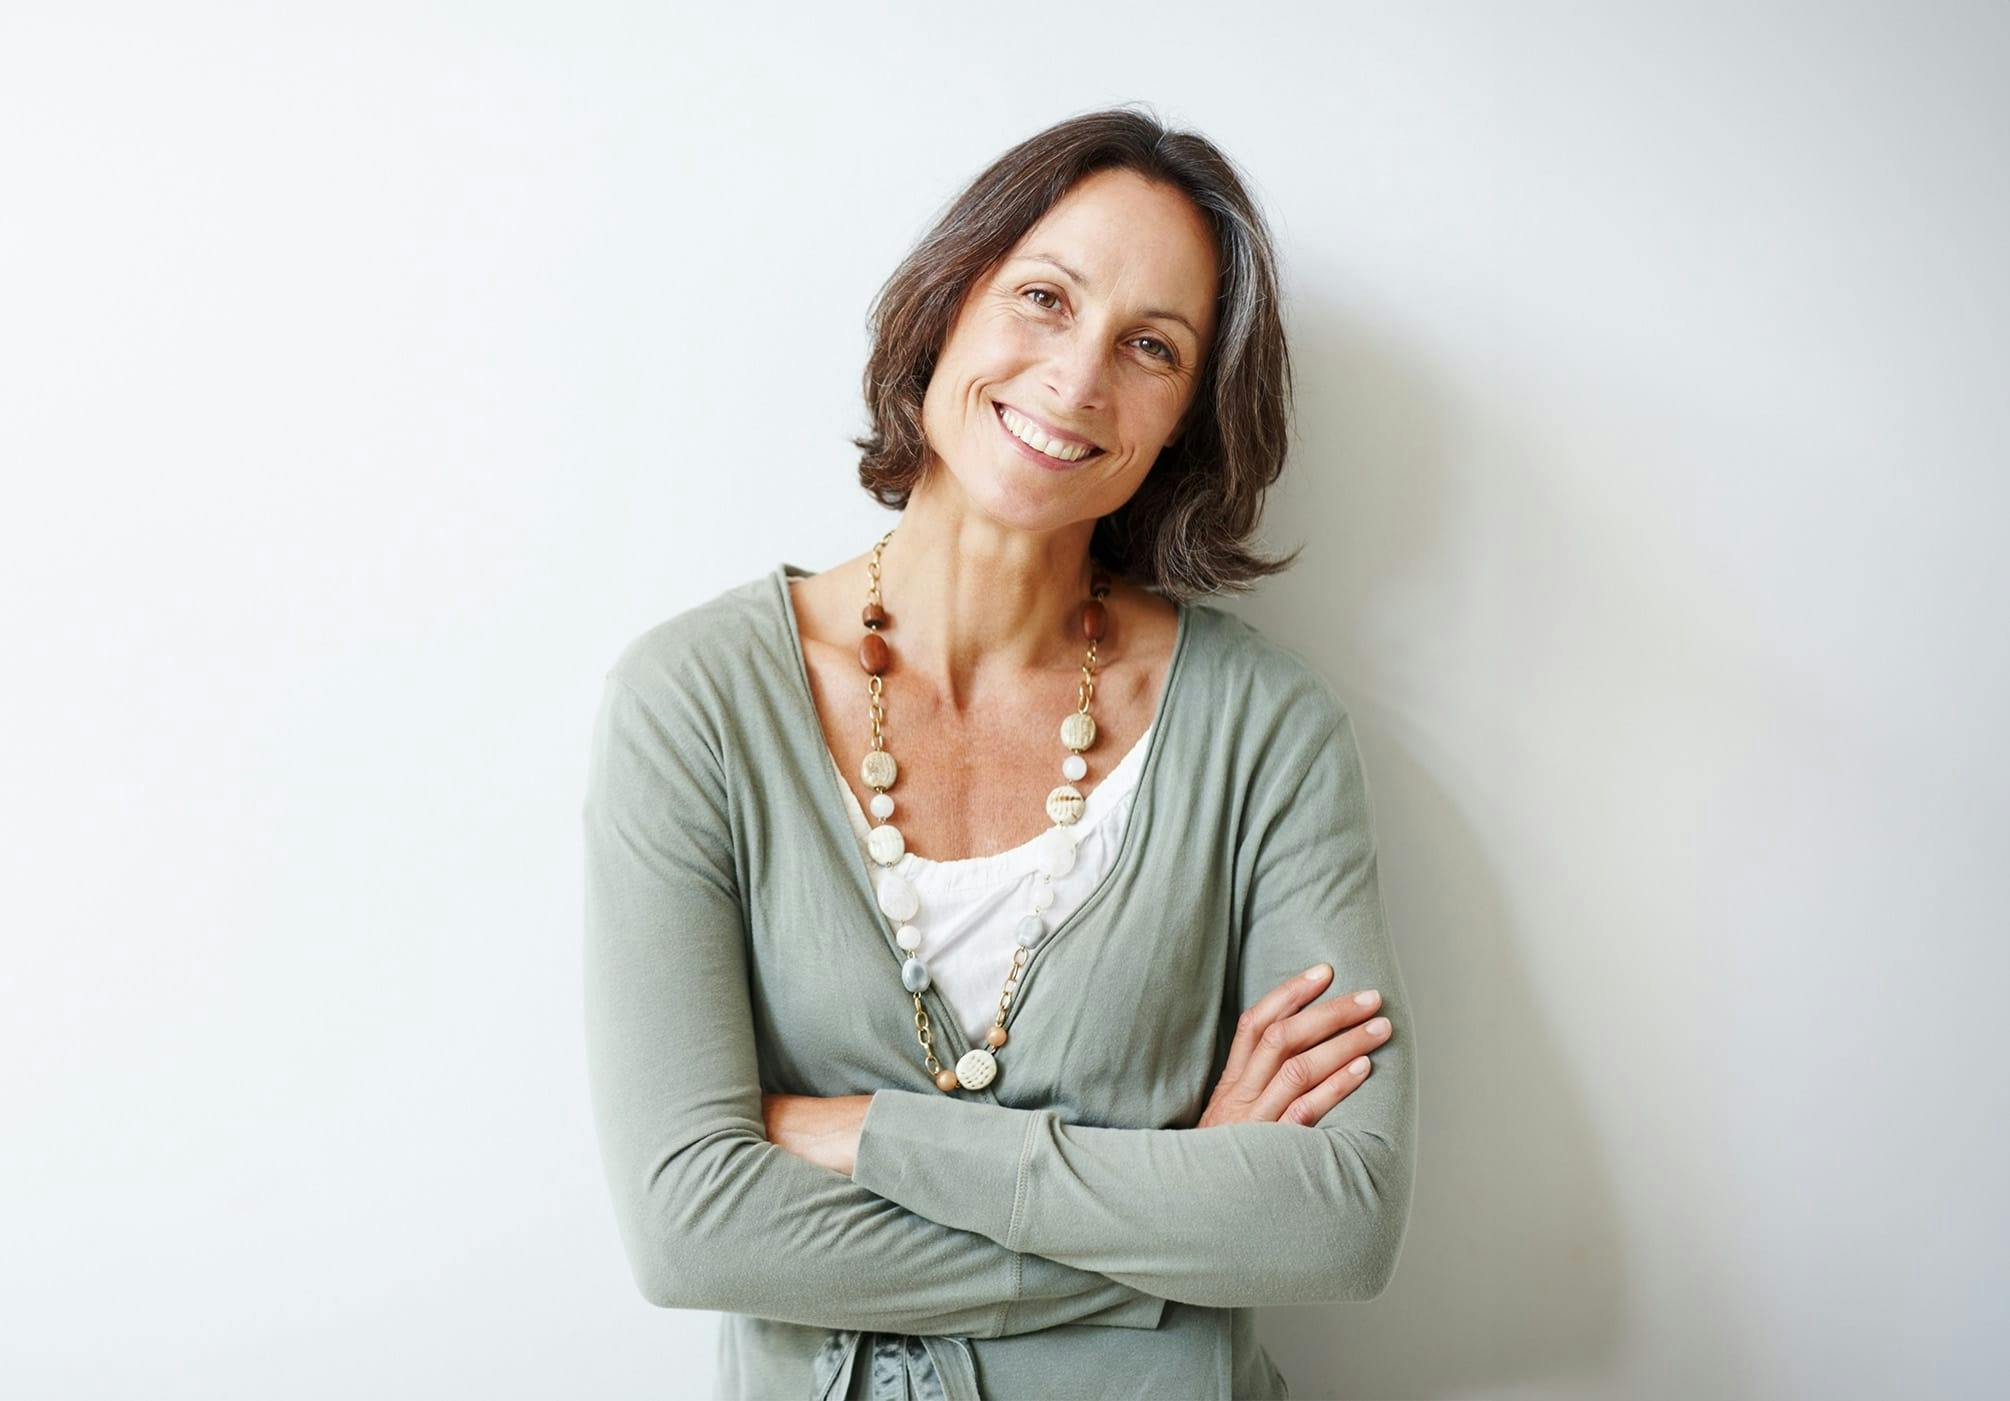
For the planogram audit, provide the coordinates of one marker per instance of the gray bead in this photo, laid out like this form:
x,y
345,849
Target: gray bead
x,y
914,975
1029,931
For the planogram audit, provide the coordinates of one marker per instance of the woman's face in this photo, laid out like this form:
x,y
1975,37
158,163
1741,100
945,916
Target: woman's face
x,y
1093,329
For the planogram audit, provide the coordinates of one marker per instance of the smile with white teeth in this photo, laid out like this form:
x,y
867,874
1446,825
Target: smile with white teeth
x,y
1029,434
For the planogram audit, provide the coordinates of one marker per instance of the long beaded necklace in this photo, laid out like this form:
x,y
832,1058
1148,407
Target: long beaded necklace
x,y
1054,853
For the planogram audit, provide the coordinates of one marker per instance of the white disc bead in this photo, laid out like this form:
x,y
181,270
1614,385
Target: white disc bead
x,y
1055,852
897,897
908,937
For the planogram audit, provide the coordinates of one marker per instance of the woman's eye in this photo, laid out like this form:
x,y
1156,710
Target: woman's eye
x,y
1160,350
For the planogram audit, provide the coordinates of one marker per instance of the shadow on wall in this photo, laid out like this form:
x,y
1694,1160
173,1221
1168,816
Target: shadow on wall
x,y
1512,1271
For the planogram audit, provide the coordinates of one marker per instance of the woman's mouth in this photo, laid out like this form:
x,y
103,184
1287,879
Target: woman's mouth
x,y
1010,419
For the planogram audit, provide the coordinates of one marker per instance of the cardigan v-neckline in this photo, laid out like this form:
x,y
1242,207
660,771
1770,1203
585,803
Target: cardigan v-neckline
x,y
836,819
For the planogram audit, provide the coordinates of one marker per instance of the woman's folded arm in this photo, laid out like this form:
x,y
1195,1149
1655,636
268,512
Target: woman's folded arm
x,y
1232,1215
712,1215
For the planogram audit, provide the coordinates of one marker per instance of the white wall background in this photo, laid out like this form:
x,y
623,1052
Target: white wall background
x,y
370,373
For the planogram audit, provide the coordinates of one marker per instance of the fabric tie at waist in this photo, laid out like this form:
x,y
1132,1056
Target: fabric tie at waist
x,y
903,1368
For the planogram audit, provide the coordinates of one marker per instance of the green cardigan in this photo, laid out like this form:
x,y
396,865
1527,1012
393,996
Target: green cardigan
x,y
1064,1231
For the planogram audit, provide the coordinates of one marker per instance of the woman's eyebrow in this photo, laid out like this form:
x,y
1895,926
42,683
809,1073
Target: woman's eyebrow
x,y
1090,286
1050,258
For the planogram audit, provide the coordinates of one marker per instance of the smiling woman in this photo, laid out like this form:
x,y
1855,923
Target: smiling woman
x,y
1121,326
1145,1122
1103,232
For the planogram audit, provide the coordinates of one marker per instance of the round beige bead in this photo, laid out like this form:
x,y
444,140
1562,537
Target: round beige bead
x,y
878,769
996,1037
945,1080
1078,731
885,844
1064,805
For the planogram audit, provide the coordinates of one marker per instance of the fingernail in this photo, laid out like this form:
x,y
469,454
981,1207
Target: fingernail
x,y
1359,1065
1378,1027
1368,998
1317,973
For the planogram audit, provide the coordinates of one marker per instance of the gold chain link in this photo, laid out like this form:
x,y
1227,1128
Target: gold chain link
x,y
1020,956
921,1035
872,566
875,684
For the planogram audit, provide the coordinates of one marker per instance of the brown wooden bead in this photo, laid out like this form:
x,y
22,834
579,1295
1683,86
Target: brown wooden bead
x,y
1095,618
873,654
945,1080
874,616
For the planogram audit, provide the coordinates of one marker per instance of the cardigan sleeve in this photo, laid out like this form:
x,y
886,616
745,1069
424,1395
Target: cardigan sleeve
x,y
1231,1215
711,1214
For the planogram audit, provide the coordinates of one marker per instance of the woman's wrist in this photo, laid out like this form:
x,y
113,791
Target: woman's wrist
x,y
822,1129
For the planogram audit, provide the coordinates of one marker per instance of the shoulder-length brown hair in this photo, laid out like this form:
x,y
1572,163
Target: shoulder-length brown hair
x,y
1184,532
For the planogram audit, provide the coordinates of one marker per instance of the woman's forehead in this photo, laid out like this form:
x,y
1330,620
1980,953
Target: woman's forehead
x,y
1131,240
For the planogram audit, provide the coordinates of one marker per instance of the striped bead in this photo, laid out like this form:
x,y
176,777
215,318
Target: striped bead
x,y
1064,805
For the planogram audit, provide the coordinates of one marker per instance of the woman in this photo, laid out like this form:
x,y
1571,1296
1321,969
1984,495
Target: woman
x,y
1011,1089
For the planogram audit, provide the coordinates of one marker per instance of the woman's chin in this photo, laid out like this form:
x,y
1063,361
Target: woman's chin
x,y
1017,493
1023,497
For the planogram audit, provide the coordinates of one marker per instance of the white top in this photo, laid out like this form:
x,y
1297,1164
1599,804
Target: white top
x,y
970,909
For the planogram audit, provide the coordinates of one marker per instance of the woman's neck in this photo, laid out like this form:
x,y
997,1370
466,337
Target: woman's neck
x,y
977,605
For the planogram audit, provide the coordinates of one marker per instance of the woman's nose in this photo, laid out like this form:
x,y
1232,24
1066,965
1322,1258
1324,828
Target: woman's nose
x,y
1076,371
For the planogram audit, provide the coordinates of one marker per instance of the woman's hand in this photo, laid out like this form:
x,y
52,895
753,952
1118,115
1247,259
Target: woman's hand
x,y
824,1129
1291,1066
